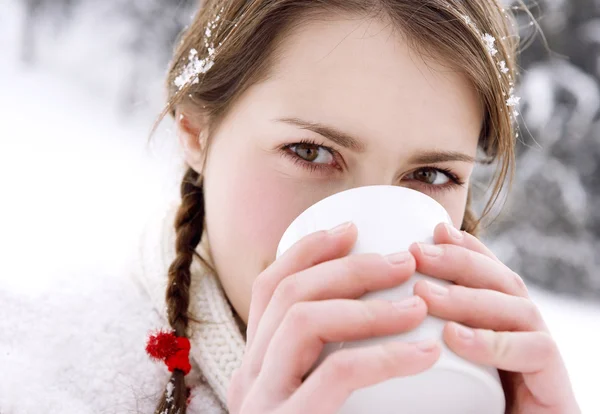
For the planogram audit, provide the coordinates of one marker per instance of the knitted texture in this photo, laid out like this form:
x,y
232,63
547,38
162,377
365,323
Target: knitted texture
x,y
217,344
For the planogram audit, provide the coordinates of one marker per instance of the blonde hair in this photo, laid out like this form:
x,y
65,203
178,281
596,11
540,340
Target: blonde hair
x,y
230,45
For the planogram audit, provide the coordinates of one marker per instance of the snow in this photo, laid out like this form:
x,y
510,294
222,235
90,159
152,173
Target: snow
x,y
78,182
194,68
489,43
78,178
503,68
170,388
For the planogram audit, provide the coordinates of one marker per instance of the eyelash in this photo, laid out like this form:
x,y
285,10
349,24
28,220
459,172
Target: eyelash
x,y
286,150
311,166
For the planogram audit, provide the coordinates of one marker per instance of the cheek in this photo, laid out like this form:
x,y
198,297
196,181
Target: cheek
x,y
249,205
260,205
250,201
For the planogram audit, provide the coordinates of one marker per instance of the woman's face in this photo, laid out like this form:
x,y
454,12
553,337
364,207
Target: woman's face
x,y
348,104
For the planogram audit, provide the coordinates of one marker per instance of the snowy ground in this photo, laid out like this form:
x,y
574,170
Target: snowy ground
x,y
78,182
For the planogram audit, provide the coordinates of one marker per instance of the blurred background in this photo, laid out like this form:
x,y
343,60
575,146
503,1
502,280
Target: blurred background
x,y
81,84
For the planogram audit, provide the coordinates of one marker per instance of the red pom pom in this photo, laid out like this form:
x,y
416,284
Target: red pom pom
x,y
162,345
181,359
173,350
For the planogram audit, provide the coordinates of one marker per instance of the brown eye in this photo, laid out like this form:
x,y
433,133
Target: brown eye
x,y
307,152
430,176
312,153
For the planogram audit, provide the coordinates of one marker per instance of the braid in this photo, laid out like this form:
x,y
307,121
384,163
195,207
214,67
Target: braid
x,y
189,223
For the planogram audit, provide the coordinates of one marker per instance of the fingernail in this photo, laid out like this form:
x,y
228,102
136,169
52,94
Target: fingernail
x,y
431,250
463,332
437,289
398,258
342,228
427,346
454,232
407,303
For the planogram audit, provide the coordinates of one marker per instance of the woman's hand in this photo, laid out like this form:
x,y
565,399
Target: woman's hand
x,y
306,299
498,324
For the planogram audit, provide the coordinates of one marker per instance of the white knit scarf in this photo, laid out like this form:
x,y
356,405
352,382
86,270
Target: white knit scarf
x,y
217,344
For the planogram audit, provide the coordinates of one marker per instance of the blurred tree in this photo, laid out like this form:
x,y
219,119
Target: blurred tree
x,y
158,24
58,10
154,27
32,10
550,232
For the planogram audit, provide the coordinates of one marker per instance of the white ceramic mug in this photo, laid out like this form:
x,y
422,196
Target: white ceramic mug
x,y
389,219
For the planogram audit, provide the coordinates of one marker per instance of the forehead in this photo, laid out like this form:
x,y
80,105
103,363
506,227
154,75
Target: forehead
x,y
361,75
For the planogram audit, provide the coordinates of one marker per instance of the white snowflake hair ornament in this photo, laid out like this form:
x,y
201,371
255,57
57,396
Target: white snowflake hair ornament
x,y
490,43
196,66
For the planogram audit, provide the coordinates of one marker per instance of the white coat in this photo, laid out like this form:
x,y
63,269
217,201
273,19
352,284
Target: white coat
x,y
79,346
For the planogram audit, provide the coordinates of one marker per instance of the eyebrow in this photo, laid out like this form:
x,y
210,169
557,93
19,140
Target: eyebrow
x,y
433,157
341,138
347,141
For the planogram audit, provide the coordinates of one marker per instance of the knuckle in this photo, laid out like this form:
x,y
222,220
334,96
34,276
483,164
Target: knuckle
x,y
305,246
463,296
339,366
311,238
288,290
249,370
467,257
392,360
457,291
253,369
358,266
260,284
363,260
349,264
501,347
358,270
352,267
368,315
298,317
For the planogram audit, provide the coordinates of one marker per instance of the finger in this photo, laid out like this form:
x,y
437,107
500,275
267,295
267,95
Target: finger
x,y
349,277
448,234
480,308
311,250
345,371
308,326
534,354
466,267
